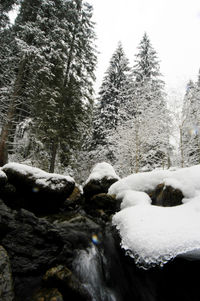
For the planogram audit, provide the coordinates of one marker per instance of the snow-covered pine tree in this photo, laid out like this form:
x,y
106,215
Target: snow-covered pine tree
x,y
5,7
8,57
143,138
55,39
154,117
71,63
190,131
113,95
14,100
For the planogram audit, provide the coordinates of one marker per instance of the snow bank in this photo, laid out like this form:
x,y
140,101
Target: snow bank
x,y
102,170
185,179
151,234
133,198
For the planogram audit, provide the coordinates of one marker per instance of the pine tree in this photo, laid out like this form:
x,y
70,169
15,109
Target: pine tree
x,y
5,7
13,91
149,94
113,95
190,132
55,39
143,138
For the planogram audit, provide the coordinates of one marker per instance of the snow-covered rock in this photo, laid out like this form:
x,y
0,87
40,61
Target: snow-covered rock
x,y
39,177
151,234
102,170
101,178
37,189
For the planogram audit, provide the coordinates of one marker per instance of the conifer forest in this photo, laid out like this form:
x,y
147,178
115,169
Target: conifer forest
x,y
50,116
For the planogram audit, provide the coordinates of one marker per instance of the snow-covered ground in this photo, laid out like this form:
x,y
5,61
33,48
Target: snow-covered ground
x,y
153,235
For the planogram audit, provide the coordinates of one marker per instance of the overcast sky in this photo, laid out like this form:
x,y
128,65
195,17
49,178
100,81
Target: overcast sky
x,y
173,27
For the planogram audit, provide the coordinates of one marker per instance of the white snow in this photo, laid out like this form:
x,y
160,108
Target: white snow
x,y
151,234
41,178
3,175
185,179
102,170
132,198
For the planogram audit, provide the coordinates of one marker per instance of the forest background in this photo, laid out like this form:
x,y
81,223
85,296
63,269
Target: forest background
x,y
50,116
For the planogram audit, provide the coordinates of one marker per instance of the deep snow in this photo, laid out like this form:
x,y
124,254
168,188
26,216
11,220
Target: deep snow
x,y
153,235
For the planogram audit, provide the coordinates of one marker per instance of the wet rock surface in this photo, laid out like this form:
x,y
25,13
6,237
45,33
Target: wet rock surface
x,y
6,282
74,253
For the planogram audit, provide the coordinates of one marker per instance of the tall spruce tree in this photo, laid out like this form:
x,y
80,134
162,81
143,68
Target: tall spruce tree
x,y
57,57
143,139
190,131
5,7
153,117
13,100
113,95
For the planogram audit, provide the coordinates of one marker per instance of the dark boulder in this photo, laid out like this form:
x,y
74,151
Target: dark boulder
x,y
35,245
47,294
74,200
68,284
166,196
102,205
101,178
35,189
94,187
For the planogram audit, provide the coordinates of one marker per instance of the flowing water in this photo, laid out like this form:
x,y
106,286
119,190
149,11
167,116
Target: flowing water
x,y
89,267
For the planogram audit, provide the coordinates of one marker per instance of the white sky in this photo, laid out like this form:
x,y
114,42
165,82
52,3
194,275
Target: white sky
x,y
173,27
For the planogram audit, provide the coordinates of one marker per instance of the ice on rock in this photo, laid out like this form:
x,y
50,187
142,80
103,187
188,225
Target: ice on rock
x,y
153,235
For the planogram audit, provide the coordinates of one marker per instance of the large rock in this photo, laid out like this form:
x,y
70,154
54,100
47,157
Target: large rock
x,y
71,288
6,284
166,196
34,189
48,294
102,205
101,178
35,245
74,200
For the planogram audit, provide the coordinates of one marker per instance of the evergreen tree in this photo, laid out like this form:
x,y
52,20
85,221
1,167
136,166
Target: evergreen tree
x,y
143,139
13,91
5,7
190,132
152,109
113,95
57,56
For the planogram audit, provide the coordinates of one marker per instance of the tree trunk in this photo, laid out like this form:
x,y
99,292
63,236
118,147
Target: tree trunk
x,y
53,155
181,147
137,149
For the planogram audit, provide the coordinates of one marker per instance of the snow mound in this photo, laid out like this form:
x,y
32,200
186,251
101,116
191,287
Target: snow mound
x,y
154,235
133,198
185,179
102,170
